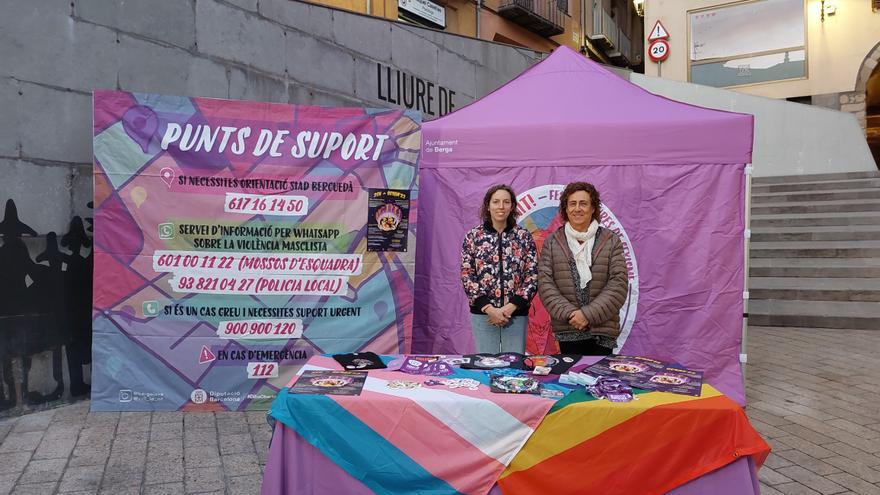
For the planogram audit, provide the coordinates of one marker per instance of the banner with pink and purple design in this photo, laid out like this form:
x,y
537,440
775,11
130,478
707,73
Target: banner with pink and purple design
x,y
234,240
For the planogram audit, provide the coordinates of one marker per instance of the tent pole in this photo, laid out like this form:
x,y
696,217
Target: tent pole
x,y
479,8
747,234
583,41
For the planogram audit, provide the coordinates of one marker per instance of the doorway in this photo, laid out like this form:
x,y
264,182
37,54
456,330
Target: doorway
x,y
872,114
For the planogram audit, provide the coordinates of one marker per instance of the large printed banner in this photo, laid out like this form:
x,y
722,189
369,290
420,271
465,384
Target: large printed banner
x,y
234,240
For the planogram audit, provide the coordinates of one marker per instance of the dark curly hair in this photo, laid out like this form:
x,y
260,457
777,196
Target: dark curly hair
x,y
573,188
484,210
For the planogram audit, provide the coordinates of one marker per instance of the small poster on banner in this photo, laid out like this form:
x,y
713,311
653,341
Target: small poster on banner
x,y
329,382
388,220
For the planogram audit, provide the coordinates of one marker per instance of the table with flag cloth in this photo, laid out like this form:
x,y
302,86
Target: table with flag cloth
x,y
439,440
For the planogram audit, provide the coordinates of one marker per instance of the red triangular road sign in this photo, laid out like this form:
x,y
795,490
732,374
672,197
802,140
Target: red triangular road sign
x,y
206,356
658,32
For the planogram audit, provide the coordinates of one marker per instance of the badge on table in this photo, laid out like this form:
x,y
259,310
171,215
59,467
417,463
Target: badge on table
x,y
468,383
329,382
360,361
403,384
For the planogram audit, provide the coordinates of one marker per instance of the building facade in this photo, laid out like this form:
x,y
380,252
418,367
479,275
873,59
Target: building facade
x,y
819,52
608,31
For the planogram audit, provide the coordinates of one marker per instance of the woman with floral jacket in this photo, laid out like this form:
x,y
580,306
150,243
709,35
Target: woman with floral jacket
x,y
499,264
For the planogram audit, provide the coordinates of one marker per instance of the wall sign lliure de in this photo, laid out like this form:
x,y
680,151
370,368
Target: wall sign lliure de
x,y
399,88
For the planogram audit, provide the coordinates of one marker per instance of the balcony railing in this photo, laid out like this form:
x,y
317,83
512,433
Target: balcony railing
x,y
541,16
622,54
605,30
610,38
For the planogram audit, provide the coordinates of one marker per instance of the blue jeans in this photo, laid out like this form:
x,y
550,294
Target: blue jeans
x,y
492,339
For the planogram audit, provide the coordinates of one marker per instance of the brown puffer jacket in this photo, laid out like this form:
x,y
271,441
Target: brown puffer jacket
x,y
607,289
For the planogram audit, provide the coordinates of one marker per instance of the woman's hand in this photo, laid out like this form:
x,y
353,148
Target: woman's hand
x,y
578,320
496,316
508,310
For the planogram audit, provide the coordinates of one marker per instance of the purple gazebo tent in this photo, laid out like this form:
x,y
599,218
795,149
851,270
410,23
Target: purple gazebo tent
x,y
672,182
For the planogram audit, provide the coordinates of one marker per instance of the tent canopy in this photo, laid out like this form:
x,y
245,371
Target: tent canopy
x,y
568,108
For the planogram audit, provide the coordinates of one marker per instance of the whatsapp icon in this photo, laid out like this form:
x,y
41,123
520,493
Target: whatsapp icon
x,y
151,308
166,231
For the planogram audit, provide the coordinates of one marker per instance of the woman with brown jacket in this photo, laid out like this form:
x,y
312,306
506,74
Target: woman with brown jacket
x,y
582,277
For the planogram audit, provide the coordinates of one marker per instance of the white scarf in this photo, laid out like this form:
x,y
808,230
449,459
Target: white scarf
x,y
581,245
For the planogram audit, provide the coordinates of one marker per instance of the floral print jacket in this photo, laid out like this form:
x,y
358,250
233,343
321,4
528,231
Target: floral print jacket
x,y
499,267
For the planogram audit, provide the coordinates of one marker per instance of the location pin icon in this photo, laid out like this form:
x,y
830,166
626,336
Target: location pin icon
x,y
167,175
138,194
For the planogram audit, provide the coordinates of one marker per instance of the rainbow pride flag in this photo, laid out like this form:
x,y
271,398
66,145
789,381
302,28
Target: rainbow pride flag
x,y
429,439
648,446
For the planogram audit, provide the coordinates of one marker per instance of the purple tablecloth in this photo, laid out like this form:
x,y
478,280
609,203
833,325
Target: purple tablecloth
x,y
295,467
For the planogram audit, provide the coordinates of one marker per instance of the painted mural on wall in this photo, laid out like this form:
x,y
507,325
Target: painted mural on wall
x,y
45,309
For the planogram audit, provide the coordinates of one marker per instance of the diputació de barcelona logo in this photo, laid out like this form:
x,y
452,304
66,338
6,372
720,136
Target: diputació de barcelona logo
x,y
539,213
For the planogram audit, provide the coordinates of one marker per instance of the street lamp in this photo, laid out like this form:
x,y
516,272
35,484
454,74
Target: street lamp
x,y
826,8
640,7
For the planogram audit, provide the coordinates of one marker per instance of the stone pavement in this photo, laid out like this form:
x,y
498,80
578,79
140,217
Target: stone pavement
x,y
810,394
70,450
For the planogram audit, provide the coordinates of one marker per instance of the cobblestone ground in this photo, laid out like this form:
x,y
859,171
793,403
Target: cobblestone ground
x,y
72,450
810,392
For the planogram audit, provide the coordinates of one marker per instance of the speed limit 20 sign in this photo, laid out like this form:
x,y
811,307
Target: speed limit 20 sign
x,y
658,50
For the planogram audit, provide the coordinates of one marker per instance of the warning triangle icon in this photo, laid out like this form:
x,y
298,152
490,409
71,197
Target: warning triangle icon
x,y
658,32
206,356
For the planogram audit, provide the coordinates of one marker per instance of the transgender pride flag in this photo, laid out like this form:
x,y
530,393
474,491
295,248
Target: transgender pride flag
x,y
434,438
